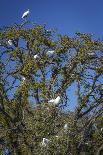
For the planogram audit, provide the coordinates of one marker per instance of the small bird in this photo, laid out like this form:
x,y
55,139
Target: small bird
x,y
25,14
23,79
86,143
48,31
55,101
36,56
91,53
65,126
45,142
10,42
51,101
50,52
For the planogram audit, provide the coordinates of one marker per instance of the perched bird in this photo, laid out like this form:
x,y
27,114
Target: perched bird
x,y
86,143
50,52
23,79
45,142
51,101
10,42
36,56
55,101
25,14
91,53
49,30
65,126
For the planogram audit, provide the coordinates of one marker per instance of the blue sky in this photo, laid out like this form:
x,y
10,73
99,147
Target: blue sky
x,y
68,16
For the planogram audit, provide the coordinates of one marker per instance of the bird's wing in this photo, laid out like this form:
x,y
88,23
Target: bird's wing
x,y
50,52
57,100
51,101
25,14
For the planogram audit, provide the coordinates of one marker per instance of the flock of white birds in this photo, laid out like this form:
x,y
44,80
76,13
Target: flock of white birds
x,y
24,16
55,101
49,52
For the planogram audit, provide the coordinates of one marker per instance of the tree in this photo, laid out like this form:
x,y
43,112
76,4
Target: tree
x,y
31,76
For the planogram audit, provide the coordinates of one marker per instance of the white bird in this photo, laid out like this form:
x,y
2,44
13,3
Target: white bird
x,y
48,31
23,79
55,101
45,142
50,52
36,56
10,42
91,53
86,143
65,126
25,14
51,101
101,129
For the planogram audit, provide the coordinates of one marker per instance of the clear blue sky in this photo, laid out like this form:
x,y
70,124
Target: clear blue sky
x,y
68,16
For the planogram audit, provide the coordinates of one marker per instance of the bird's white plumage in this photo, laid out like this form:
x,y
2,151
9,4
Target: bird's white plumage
x,y
25,14
45,142
23,79
91,53
55,101
36,56
50,52
66,126
51,101
86,143
10,42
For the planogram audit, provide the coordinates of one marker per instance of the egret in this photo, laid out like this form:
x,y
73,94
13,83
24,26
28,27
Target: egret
x,y
36,56
91,53
10,42
23,79
55,101
48,31
51,101
45,142
25,14
50,52
65,126
86,143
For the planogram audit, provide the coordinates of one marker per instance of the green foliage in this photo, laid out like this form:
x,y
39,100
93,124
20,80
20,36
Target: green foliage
x,y
28,83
